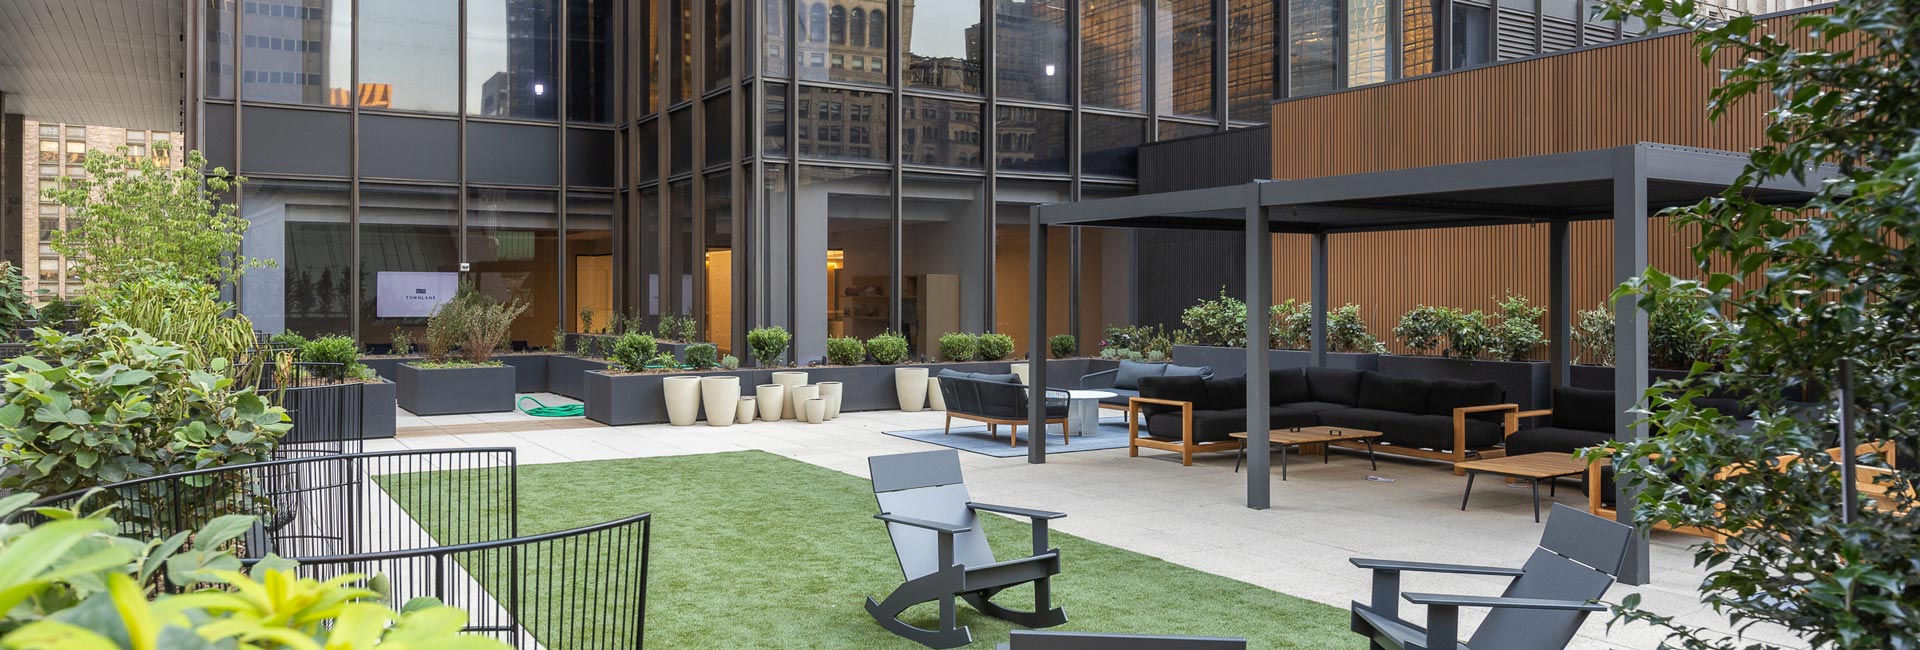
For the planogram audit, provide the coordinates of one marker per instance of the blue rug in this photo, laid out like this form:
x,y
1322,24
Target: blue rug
x,y
1112,434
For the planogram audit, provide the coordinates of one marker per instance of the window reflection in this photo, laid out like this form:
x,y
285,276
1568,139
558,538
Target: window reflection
x,y
410,55
1314,28
940,132
835,48
590,66
1366,42
843,124
1472,35
513,247
719,44
403,228
218,49
943,46
302,226
1184,57
775,120
1031,49
511,50
773,51
1032,139
1111,54
1110,144
1419,46
1250,60
297,51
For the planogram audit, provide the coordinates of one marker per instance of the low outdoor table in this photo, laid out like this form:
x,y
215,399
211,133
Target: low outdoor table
x,y
1534,467
1083,410
1289,437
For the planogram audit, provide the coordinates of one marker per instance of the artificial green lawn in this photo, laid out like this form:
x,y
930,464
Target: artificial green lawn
x,y
753,550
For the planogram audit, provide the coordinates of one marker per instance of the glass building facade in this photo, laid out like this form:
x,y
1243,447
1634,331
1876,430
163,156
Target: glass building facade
x,y
839,167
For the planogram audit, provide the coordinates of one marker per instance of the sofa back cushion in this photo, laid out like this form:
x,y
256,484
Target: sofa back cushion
x,y
1583,409
1225,394
1334,385
1131,372
1288,386
1389,393
1176,370
1449,394
1179,389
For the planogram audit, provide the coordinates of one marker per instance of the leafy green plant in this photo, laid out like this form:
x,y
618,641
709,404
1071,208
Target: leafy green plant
x,y
1218,322
846,351
958,346
1593,335
1347,332
188,314
402,344
16,308
993,346
138,219
1063,345
769,344
1135,342
114,403
1290,325
730,362
633,351
888,348
559,343
1471,336
337,349
57,312
678,327
701,356
1518,332
1680,331
1423,328
473,322
288,340
586,321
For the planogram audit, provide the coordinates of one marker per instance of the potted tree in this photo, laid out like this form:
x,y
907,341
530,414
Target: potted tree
x,y
473,382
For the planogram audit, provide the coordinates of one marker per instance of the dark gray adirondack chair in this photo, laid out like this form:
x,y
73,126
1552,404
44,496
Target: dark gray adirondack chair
x,y
1032,640
1550,596
944,553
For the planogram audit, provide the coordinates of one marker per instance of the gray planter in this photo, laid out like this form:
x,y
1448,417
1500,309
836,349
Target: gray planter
x,y
1232,362
449,391
388,366
530,371
377,414
1601,377
565,374
1528,383
862,388
1066,373
623,399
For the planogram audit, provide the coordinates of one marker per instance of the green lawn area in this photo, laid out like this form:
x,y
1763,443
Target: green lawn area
x,y
752,550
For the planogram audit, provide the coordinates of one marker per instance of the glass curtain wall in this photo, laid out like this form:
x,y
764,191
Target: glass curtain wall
x,y
304,228
410,55
590,257
943,245
408,235
513,247
296,52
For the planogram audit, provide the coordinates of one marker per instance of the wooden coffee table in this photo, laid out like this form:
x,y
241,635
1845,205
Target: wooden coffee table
x,y
1534,468
1289,437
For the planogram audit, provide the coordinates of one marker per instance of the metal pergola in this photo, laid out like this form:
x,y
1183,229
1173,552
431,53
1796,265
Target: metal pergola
x,y
1625,184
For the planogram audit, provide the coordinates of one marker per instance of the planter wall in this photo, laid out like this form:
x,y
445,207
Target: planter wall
x,y
530,371
448,391
388,366
1528,383
622,399
378,401
565,374
1232,362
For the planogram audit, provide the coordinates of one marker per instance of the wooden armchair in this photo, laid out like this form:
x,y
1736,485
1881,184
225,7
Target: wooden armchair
x,y
1866,478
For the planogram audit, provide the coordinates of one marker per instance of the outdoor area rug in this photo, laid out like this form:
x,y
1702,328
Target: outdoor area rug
x,y
754,550
1112,434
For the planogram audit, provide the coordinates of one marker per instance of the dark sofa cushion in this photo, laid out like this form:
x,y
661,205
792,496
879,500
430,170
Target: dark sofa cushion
x,y
1287,386
1120,396
1176,370
1583,409
1388,393
1008,378
1553,439
1208,426
1179,389
1131,372
1284,417
1436,432
1352,418
1449,394
1224,394
1336,385
1315,407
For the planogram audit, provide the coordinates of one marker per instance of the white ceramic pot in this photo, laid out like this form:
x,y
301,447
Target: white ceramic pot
x,y
936,400
744,410
910,385
721,395
798,396
789,379
683,400
830,391
816,410
1020,370
770,398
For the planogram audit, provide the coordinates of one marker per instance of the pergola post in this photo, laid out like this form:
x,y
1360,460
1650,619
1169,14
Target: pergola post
x,y
1559,303
1317,277
1630,334
1037,339
1259,295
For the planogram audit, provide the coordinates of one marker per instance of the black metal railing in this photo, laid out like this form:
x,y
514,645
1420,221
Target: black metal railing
x,y
325,409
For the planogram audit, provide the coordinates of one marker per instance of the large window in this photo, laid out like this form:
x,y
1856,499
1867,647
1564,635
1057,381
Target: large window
x,y
680,254
840,124
1031,49
1183,60
943,51
719,131
855,209
513,246
1012,260
1366,42
589,251
1110,144
1032,139
718,262
1314,27
218,49
1250,60
1112,48
1472,35
683,20
403,228
590,68
940,133
773,51
775,120
647,289
511,54
297,51
1420,38
845,41
410,55
302,226
719,43
943,242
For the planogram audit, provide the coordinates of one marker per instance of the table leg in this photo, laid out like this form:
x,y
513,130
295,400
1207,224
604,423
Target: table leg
x,y
1370,457
1283,462
1536,501
1237,458
1469,492
1552,487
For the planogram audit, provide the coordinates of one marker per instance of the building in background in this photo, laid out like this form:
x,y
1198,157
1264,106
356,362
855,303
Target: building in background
x,y
53,152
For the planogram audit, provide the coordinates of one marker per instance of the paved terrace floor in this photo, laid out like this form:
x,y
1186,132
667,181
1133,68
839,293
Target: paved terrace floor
x,y
1192,516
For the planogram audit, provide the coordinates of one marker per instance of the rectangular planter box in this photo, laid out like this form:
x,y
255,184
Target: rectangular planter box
x,y
530,371
621,399
1232,362
565,374
388,366
1066,373
448,391
377,414
1528,383
862,388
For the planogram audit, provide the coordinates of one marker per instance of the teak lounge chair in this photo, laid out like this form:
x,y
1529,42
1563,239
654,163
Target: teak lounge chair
x,y
944,553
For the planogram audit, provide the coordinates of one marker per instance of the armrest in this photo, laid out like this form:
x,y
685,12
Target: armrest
x,y
1513,418
1162,402
1483,408
1502,602
1102,379
1017,512
1433,567
922,523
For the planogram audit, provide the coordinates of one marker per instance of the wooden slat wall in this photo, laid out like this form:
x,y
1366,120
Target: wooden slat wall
x,y
1652,90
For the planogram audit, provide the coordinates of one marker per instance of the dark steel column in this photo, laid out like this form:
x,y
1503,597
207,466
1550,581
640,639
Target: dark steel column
x,y
353,181
1259,295
1317,277
1630,332
1559,302
1037,345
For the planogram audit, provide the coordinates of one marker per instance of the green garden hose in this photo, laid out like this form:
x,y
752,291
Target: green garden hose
x,y
543,411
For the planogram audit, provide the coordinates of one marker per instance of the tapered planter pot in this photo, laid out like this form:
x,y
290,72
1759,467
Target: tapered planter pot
x,y
683,400
789,379
449,391
937,400
816,410
911,385
770,398
797,397
830,391
721,396
743,412
1019,370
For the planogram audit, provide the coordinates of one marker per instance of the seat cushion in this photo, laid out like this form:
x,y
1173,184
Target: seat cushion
x,y
1436,432
1583,409
1388,393
1174,370
1208,426
1552,439
1282,417
1120,396
1287,386
1353,418
1179,389
1449,394
1315,407
1131,372
1337,385
1224,394
1008,378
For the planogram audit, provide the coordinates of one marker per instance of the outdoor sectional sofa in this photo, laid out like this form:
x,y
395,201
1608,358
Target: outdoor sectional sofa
x,y
1443,419
1124,381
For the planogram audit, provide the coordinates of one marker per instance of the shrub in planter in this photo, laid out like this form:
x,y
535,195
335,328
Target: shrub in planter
x,y
1423,328
845,351
1135,342
635,350
1347,333
677,327
559,341
701,356
15,307
1593,335
888,348
1519,330
335,349
1290,325
769,344
402,344
288,340
730,362
993,346
1220,322
958,346
474,323
1470,336
1062,345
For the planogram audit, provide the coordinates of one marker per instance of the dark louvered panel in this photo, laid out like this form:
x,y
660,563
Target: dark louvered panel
x,y
1516,34
1559,34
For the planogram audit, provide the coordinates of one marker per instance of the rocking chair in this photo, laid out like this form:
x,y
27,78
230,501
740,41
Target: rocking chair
x,y
944,554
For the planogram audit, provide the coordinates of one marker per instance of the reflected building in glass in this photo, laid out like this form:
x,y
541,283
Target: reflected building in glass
x,y
838,167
